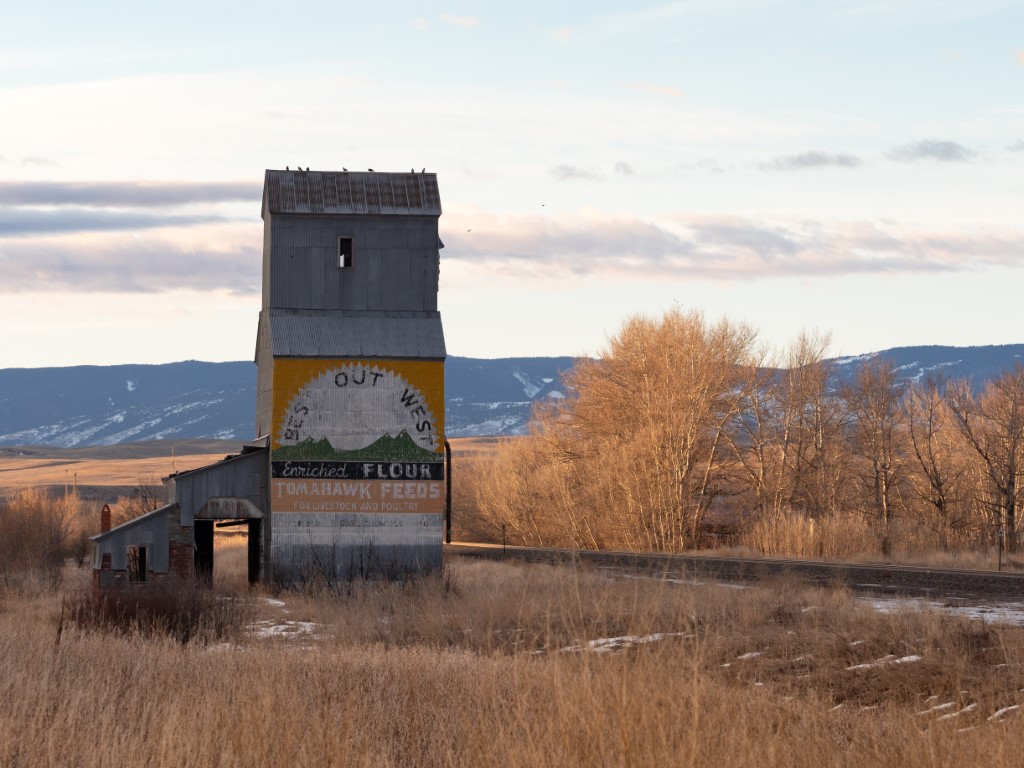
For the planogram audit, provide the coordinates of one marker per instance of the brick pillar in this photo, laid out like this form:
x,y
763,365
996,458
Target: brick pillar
x,y
104,525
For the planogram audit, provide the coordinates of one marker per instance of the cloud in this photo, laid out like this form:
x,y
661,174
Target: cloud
x,y
1020,58
930,149
564,34
660,90
624,169
421,24
572,173
708,164
812,159
33,160
460,21
1017,146
19,222
127,194
225,258
718,247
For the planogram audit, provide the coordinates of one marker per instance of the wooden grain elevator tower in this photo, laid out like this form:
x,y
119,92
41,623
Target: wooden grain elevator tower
x,y
350,385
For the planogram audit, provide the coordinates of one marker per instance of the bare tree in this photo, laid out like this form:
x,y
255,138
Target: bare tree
x,y
874,403
647,422
993,426
938,473
810,428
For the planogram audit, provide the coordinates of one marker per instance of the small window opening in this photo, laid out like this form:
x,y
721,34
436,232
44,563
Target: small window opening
x,y
136,563
345,252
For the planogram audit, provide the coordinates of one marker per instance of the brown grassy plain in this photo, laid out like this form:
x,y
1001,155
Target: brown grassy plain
x,y
104,473
496,664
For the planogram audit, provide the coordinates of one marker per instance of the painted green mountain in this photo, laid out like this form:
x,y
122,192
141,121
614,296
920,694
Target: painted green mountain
x,y
387,448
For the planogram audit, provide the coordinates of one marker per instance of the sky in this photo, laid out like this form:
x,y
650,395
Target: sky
x,y
854,167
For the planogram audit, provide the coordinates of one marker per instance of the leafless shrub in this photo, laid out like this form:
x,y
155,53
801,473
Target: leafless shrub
x,y
38,533
184,610
837,536
146,496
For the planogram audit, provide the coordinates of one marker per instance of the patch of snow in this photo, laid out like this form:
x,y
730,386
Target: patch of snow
x,y
885,661
503,404
131,384
272,602
510,425
529,388
951,715
267,629
174,409
854,359
126,433
928,369
82,435
606,644
998,714
936,708
750,655
547,381
1009,612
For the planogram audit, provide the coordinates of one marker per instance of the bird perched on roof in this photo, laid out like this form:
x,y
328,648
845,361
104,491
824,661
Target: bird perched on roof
x,y
344,169
424,170
287,168
371,170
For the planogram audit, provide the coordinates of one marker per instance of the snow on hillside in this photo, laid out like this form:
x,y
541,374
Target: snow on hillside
x,y
107,405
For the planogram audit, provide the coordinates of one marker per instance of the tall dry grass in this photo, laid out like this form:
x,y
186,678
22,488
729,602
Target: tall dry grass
x,y
489,663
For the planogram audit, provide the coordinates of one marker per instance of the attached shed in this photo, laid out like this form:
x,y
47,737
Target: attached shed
x,y
233,489
149,552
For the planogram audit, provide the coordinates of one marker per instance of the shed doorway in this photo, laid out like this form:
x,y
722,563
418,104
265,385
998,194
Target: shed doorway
x,y
229,544
228,552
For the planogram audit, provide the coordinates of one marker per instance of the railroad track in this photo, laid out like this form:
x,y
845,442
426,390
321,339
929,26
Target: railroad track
x,y
864,577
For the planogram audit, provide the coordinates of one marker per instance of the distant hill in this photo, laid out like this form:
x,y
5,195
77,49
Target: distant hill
x,y
978,364
109,405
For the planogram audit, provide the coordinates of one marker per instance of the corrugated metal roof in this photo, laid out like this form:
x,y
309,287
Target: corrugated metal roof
x,y
333,334
149,518
346,192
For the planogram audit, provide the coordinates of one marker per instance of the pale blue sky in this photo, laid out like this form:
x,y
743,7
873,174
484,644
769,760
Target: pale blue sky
x,y
850,166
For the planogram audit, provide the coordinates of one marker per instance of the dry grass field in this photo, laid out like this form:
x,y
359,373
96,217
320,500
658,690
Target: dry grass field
x,y
504,664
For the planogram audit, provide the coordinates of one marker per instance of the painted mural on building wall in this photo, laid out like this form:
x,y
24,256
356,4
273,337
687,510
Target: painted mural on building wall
x,y
361,436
